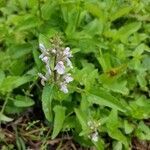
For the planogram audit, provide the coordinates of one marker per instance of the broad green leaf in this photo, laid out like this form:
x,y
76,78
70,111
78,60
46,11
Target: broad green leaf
x,y
112,127
93,28
99,145
103,98
58,119
23,101
104,60
20,50
12,82
2,76
117,146
142,81
128,29
118,86
139,108
36,55
48,9
143,131
17,67
146,62
112,121
82,118
5,118
47,97
73,16
96,10
28,22
120,12
128,127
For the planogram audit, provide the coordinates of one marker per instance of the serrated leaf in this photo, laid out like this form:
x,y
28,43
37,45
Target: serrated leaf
x,y
103,98
12,82
120,12
47,96
128,127
125,31
58,120
96,10
23,101
48,8
112,127
82,118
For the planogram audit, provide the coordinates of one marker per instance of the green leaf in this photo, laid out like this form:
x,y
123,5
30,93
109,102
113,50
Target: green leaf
x,y
143,131
47,97
20,50
5,118
117,146
103,98
2,76
73,17
82,118
28,22
96,10
125,31
48,9
120,12
112,127
118,86
23,101
93,28
12,82
58,120
99,145
128,127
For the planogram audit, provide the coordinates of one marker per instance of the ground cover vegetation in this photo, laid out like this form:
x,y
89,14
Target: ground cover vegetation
x,y
74,74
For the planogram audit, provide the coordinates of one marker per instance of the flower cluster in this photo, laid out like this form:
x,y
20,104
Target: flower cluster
x,y
57,63
93,125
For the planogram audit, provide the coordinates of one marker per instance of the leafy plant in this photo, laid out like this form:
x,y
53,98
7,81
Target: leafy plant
x,y
109,41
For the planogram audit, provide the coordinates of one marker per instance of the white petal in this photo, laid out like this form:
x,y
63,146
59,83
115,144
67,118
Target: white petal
x,y
42,76
95,136
68,78
45,59
60,68
69,63
48,69
67,52
63,88
41,56
42,47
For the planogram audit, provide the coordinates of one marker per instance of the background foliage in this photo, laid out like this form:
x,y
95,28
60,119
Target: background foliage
x,y
110,43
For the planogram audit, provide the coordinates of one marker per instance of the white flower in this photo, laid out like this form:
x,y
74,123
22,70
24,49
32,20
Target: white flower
x,y
48,69
41,56
69,63
67,52
68,78
42,76
63,87
42,47
45,59
60,68
94,136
